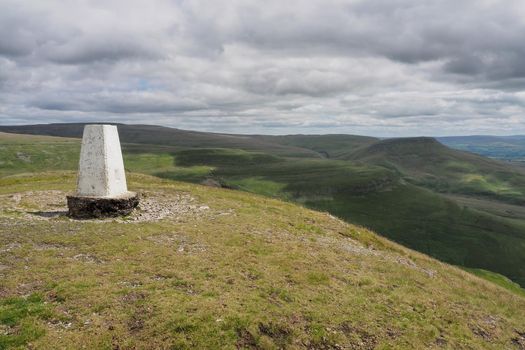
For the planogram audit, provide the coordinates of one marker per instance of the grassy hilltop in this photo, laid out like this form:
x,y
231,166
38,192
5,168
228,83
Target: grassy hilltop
x,y
227,269
461,208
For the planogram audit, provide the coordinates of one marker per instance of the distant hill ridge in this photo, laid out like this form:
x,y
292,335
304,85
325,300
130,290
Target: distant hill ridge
x,y
402,146
510,148
159,135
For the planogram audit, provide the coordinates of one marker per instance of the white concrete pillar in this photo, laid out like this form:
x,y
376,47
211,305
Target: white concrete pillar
x,y
101,170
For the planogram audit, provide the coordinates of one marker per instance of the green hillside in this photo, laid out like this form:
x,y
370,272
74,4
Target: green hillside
x,y
296,177
433,224
224,269
28,153
384,188
329,146
428,163
163,136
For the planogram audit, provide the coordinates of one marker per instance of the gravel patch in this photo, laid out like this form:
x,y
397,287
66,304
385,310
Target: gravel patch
x,y
52,205
9,247
157,206
88,258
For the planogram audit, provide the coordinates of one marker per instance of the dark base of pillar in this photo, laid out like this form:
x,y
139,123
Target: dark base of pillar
x,y
95,208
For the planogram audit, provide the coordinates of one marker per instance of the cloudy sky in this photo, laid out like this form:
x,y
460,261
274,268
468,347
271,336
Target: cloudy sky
x,y
375,67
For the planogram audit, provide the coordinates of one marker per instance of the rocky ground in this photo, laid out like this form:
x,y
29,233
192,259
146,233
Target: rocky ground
x,y
52,205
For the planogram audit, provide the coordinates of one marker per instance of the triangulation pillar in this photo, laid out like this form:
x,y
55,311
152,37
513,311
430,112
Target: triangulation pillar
x,y
101,188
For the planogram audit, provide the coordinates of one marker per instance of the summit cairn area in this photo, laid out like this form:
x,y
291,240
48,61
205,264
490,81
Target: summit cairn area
x,y
101,188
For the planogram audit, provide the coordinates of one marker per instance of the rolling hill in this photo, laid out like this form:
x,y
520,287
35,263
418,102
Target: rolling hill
x,y
455,206
158,135
428,163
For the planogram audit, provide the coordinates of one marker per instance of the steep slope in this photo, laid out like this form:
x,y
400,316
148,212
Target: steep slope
x,y
433,224
226,269
375,197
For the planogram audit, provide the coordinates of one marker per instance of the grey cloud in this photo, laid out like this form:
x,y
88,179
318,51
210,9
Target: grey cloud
x,y
115,103
15,46
51,33
88,51
467,65
375,66
15,40
60,105
486,34
297,81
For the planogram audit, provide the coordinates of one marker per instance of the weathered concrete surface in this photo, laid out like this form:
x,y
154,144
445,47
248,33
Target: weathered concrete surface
x,y
101,189
92,207
101,171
